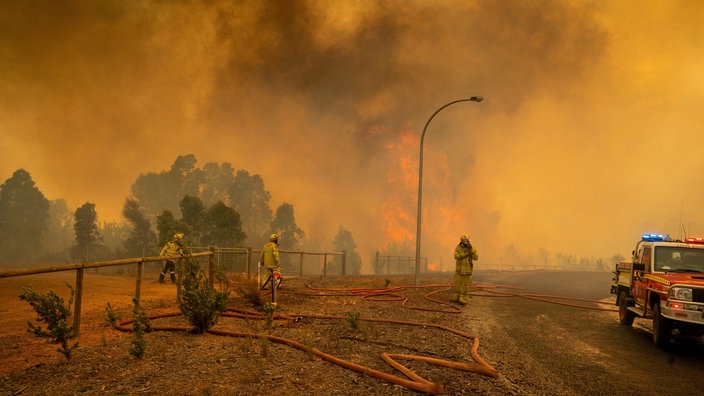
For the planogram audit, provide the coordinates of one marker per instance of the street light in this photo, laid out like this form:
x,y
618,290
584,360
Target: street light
x,y
420,180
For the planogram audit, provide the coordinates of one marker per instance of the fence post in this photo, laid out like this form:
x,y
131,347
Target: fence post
x,y
325,262
77,302
211,267
300,275
376,262
179,279
138,291
249,263
344,262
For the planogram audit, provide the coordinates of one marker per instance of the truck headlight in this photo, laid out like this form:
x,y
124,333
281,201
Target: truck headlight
x,y
680,293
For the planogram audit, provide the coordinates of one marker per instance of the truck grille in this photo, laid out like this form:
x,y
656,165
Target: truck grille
x,y
698,295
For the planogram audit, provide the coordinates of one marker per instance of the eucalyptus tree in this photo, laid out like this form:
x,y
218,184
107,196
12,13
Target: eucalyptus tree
x,y
24,213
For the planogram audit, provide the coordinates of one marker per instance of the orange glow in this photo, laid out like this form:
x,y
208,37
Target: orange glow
x,y
397,210
327,104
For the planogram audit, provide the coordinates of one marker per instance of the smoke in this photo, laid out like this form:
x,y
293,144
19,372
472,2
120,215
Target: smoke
x,y
585,139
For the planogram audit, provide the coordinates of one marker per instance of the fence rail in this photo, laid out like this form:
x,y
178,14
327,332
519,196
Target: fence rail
x,y
298,263
403,265
218,258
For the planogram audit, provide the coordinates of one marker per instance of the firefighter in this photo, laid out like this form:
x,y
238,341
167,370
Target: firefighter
x,y
465,254
172,248
269,259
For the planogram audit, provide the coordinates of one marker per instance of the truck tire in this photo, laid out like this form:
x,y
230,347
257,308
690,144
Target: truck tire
x,y
624,315
662,328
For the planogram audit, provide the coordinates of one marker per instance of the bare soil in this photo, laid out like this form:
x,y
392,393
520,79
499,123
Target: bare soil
x,y
537,348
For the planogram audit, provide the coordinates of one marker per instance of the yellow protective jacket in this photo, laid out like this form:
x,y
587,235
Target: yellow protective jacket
x,y
270,256
171,249
464,255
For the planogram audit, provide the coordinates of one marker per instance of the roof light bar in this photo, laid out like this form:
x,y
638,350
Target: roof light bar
x,y
695,240
653,237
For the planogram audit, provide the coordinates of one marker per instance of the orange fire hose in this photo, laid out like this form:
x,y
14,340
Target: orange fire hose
x,y
414,381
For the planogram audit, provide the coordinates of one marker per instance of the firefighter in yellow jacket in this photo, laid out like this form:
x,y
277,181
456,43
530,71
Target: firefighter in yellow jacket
x,y
269,259
465,254
172,248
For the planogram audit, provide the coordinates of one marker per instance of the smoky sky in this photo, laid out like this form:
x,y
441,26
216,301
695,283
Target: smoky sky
x,y
587,136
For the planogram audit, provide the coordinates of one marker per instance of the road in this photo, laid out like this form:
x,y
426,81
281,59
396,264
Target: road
x,y
538,348
548,349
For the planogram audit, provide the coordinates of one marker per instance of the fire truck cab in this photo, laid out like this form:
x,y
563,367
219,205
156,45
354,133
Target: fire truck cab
x,y
663,281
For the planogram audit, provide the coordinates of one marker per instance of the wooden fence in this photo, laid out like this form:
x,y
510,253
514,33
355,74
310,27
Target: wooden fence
x,y
402,265
213,255
244,260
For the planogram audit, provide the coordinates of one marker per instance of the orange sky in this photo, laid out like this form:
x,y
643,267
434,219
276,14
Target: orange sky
x,y
588,135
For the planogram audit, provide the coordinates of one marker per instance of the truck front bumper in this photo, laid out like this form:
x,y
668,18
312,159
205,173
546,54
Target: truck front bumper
x,y
690,313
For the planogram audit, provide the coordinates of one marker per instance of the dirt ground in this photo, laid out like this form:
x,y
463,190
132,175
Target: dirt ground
x,y
330,336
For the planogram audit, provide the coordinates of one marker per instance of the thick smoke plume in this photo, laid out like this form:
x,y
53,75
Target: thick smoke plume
x,y
586,139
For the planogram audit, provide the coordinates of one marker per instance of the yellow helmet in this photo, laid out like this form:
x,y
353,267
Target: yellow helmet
x,y
178,236
464,236
274,237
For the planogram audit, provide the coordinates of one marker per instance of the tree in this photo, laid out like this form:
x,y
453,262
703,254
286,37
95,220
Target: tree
x,y
167,226
114,234
59,236
85,227
216,181
24,213
251,200
142,240
157,192
345,242
224,228
193,217
284,224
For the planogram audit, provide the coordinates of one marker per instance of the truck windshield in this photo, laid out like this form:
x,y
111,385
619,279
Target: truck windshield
x,y
679,259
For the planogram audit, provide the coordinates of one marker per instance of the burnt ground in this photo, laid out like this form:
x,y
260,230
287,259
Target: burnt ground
x,y
537,347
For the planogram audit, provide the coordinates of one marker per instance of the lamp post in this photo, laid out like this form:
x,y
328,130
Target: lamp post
x,y
420,180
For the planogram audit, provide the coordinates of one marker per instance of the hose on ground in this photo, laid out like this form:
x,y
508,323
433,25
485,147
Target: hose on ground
x,y
413,381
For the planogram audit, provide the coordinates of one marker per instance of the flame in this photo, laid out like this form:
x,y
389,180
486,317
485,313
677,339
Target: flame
x,y
398,211
404,151
444,214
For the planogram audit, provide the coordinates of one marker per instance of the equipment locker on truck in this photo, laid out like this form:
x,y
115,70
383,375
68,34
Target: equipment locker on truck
x,y
664,281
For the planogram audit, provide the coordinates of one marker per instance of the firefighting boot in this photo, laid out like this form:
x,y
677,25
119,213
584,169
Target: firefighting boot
x,y
173,277
161,278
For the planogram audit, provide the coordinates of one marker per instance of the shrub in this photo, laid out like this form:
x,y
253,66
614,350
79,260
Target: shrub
x,y
353,320
250,292
112,317
55,313
269,308
139,327
200,303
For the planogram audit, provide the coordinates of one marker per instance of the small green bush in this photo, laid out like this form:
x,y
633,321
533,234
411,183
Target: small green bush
x,y
269,308
353,320
139,327
200,303
112,317
52,310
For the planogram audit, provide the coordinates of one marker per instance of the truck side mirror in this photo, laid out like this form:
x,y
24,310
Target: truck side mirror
x,y
638,267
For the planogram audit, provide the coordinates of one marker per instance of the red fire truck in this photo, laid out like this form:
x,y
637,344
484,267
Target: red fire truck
x,y
663,281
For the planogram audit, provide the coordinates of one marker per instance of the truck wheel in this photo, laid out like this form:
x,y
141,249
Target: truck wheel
x,y
624,315
662,328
